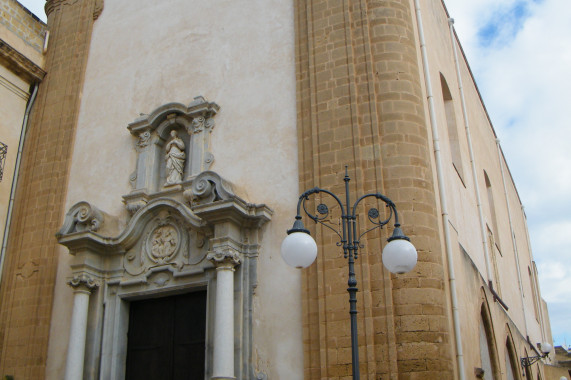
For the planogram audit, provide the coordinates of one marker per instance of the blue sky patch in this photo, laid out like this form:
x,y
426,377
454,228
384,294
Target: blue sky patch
x,y
505,24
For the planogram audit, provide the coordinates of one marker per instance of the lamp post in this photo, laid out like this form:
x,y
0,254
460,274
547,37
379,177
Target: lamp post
x,y
528,361
300,250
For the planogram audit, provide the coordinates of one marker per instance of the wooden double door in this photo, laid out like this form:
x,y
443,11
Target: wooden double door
x,y
166,338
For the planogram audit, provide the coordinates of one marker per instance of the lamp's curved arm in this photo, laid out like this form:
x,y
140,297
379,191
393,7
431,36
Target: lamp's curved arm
x,y
387,201
305,196
380,196
373,213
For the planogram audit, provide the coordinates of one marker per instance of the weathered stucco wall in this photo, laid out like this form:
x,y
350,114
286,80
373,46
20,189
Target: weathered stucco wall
x,y
23,33
14,95
146,53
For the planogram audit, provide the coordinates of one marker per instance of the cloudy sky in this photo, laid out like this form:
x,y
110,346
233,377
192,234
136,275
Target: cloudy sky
x,y
520,53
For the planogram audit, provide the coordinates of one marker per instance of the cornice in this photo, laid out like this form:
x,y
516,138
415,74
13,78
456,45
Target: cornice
x,y
20,64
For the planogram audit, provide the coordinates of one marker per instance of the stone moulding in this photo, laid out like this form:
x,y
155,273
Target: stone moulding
x,y
20,64
207,187
77,239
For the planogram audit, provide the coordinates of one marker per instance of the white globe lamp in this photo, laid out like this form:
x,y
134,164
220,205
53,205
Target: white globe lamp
x,y
299,250
546,348
399,255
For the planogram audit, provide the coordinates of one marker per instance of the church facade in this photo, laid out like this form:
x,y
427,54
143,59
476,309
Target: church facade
x,y
165,154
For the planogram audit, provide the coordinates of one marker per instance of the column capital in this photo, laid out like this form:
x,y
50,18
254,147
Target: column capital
x,y
83,281
224,258
52,5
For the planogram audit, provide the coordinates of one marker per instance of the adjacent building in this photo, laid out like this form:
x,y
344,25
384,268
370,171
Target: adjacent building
x,y
165,152
22,38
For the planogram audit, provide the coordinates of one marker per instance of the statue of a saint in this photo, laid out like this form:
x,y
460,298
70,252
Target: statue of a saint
x,y
175,159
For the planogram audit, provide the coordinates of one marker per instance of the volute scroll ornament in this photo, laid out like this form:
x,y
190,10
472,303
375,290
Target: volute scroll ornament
x,y
81,217
208,187
144,139
83,281
226,257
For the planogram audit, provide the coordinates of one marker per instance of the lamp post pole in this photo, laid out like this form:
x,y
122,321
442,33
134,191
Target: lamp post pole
x,y
299,249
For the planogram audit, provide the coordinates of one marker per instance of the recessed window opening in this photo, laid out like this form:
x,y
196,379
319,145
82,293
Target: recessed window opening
x,y
534,293
3,152
452,127
488,354
492,207
511,360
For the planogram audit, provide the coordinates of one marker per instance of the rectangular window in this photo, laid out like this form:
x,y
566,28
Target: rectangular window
x,y
452,128
534,293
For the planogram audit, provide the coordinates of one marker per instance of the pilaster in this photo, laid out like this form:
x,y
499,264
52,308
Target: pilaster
x,y
26,292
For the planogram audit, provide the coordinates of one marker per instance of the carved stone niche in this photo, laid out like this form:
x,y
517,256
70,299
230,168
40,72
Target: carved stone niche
x,y
158,156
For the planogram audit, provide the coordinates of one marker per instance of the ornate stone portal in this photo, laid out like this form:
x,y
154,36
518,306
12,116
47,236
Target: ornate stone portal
x,y
192,235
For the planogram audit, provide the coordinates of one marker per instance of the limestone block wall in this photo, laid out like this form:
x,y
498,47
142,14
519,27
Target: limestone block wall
x,y
22,29
360,103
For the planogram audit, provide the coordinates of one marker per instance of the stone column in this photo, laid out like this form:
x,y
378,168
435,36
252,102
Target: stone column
x,y
361,103
225,261
82,285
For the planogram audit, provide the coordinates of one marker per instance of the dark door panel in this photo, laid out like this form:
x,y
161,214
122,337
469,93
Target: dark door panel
x,y
166,338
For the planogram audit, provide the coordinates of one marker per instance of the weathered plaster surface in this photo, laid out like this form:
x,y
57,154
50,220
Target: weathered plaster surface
x,y
147,53
14,95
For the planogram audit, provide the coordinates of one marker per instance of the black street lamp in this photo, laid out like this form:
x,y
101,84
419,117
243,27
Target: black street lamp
x,y
300,250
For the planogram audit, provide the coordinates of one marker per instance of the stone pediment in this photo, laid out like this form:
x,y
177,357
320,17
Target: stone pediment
x,y
164,234
198,108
